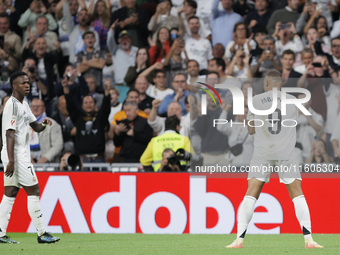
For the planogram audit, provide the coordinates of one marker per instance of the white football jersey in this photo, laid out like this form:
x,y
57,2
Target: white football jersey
x,y
17,116
274,141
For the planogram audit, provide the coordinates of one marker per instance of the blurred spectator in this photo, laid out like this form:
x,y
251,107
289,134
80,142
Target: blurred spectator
x,y
174,62
123,53
335,139
320,24
218,50
91,125
214,144
11,48
115,105
67,158
174,109
180,93
133,135
197,48
101,15
288,14
260,16
240,41
50,37
169,139
91,61
76,32
243,7
38,89
317,80
162,47
145,100
6,8
193,70
318,153
159,90
65,9
91,83
259,34
266,60
237,137
312,38
108,71
133,19
286,38
189,10
76,84
307,12
62,117
336,29
289,76
142,64
223,20
218,65
307,128
29,18
327,7
307,59
45,62
45,146
162,18
334,58
239,66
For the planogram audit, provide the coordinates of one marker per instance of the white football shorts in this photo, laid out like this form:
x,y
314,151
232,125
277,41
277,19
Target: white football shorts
x,y
261,169
24,175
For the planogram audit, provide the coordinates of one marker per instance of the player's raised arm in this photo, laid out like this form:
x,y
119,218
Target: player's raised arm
x,y
10,141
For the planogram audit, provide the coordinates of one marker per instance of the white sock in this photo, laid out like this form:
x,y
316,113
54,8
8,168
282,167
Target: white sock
x,y
302,214
5,213
245,215
33,205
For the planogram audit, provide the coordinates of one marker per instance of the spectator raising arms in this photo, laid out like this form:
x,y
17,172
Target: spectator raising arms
x,y
162,47
101,20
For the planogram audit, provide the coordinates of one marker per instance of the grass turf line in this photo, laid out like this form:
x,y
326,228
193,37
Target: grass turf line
x,y
168,244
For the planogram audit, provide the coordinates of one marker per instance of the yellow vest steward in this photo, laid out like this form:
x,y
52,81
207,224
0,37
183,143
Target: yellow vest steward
x,y
169,140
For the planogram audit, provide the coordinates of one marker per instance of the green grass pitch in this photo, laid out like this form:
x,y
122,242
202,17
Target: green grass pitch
x,y
98,244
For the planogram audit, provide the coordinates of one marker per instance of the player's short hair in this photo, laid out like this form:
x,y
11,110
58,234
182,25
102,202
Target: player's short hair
x,y
15,75
172,122
274,76
288,52
220,62
133,103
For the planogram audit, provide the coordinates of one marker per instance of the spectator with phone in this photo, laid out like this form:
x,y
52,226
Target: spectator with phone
x,y
133,19
242,40
29,17
174,61
326,8
288,14
132,134
286,38
162,48
38,89
162,18
10,43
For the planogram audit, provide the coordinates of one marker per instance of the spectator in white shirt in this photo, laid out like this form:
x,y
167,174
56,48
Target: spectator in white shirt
x,y
198,48
307,59
288,38
123,54
159,91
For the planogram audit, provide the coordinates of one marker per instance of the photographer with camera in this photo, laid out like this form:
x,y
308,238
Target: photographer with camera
x,y
169,162
170,139
71,162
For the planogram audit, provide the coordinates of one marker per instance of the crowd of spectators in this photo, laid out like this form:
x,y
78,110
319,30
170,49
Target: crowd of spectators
x,y
114,74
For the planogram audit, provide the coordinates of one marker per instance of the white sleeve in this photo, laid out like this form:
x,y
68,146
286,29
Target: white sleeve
x,y
209,55
336,29
298,45
227,50
9,117
336,131
158,124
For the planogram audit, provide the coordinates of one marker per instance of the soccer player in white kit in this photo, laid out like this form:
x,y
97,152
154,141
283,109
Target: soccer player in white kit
x,y
273,146
19,172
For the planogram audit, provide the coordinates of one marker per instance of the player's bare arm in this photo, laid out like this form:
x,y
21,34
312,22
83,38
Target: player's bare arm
x,y
251,128
10,141
38,127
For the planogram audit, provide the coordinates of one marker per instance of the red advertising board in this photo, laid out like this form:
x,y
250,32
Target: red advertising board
x,y
170,203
